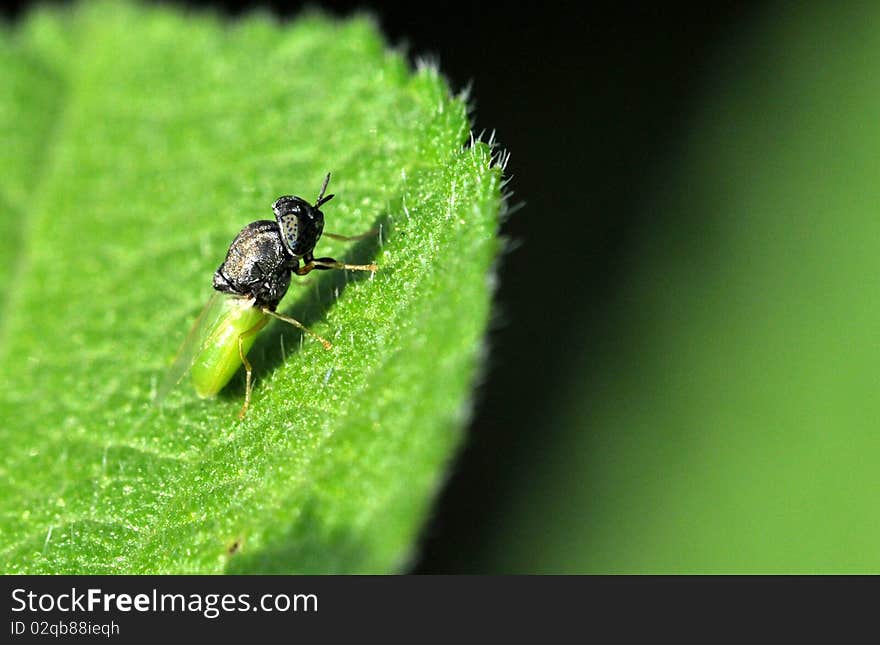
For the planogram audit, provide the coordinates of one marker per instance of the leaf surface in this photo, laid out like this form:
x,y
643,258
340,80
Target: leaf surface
x,y
141,141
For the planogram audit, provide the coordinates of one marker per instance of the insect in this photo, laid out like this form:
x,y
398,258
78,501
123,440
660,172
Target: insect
x,y
248,285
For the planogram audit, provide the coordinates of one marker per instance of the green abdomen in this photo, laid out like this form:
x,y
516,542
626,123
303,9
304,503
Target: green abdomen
x,y
219,358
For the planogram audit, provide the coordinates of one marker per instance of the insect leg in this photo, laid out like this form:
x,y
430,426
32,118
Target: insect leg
x,y
299,325
351,238
323,264
247,365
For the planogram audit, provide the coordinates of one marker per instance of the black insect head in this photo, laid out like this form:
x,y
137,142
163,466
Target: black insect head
x,y
301,223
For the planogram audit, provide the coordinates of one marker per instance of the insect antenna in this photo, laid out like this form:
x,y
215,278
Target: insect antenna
x,y
321,199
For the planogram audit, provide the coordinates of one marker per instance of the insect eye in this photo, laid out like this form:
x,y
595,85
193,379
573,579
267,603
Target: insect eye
x,y
295,217
289,225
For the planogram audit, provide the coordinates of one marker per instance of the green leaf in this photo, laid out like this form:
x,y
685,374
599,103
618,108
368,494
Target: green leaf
x,y
142,140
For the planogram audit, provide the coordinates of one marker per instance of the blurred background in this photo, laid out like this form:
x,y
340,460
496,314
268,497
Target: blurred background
x,y
683,365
